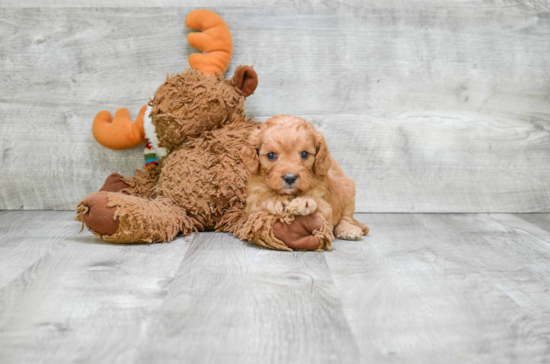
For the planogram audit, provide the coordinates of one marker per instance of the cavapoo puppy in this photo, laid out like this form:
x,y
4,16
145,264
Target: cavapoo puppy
x,y
297,193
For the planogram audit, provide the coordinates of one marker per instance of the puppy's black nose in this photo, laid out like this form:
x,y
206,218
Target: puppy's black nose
x,y
290,178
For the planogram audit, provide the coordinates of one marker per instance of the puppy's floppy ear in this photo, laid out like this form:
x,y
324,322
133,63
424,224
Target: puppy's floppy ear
x,y
250,154
322,160
246,80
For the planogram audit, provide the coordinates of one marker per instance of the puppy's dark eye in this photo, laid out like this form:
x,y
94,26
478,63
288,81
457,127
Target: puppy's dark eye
x,y
271,155
305,154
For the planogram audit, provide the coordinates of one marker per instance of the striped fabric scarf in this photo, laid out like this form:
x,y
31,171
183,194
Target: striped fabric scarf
x,y
151,156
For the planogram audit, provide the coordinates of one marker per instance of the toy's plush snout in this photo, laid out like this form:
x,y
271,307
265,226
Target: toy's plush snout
x,y
190,103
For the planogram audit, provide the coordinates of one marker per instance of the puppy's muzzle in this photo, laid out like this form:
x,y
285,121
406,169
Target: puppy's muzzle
x,y
290,178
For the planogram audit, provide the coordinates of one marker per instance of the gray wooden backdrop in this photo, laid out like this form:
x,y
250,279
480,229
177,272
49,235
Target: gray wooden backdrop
x,y
429,105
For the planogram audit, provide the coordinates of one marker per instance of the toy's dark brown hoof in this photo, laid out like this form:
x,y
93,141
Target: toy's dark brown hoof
x,y
98,216
297,234
114,183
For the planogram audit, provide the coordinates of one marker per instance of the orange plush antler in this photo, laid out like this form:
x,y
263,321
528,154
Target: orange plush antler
x,y
214,41
120,132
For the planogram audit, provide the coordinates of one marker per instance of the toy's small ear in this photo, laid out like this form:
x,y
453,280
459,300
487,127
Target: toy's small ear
x,y
246,80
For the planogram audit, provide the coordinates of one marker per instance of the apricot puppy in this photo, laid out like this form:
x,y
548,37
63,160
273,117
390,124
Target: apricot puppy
x,y
292,174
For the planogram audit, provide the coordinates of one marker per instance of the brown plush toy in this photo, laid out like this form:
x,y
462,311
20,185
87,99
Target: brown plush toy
x,y
197,126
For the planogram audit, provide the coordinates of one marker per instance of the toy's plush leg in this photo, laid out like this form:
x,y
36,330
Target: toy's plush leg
x,y
310,232
114,183
121,218
142,184
257,228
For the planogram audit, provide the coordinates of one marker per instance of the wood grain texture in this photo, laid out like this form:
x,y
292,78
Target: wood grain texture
x,y
235,302
26,236
421,288
542,221
537,226
423,162
83,302
445,289
430,106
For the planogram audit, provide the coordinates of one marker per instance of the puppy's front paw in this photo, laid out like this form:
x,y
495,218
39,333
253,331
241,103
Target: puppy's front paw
x,y
346,231
302,206
274,207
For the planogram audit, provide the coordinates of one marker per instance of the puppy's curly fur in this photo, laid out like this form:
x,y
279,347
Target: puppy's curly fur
x,y
292,173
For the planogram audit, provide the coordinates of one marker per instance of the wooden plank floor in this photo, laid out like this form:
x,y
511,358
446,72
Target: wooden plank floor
x,y
422,288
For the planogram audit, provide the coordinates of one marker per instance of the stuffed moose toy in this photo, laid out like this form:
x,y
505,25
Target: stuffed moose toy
x,y
195,128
